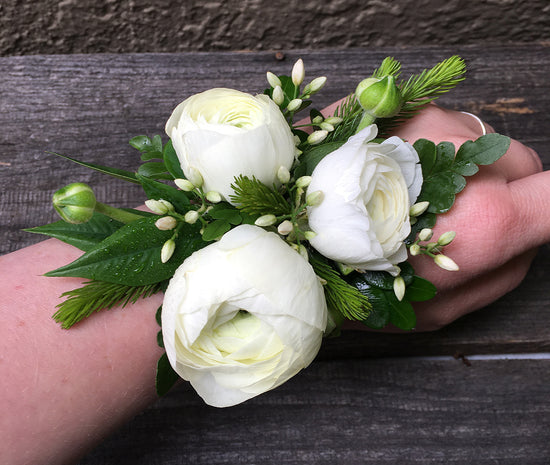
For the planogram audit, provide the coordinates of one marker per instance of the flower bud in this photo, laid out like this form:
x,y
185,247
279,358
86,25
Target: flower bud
x,y
446,238
184,184
283,175
75,203
265,220
310,235
294,104
278,95
156,206
166,223
298,72
315,86
445,262
380,98
425,234
317,136
415,250
213,196
191,217
195,177
399,288
303,181
285,228
273,80
167,204
297,140
418,208
315,198
334,120
326,126
167,250
317,120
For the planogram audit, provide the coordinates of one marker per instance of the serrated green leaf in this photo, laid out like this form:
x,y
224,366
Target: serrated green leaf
x,y
157,190
420,290
84,236
215,230
171,161
131,255
485,150
115,172
166,376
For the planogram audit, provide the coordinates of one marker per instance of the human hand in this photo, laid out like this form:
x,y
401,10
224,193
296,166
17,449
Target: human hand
x,y
499,220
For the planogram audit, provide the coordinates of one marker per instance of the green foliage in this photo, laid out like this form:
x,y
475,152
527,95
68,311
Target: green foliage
x,y
255,198
351,112
444,173
98,295
161,162
157,190
131,255
310,159
389,67
115,172
340,295
377,286
225,216
84,236
166,376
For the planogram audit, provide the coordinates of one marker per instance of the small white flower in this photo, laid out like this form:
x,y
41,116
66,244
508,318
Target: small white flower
x,y
156,206
446,238
278,95
285,228
425,234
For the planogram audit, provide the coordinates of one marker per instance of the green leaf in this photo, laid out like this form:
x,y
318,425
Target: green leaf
x,y
166,376
172,162
484,151
157,190
131,255
444,173
115,172
155,170
141,143
224,211
310,159
215,230
420,290
84,236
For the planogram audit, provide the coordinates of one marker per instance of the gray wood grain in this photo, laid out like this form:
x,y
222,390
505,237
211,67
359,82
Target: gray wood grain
x,y
350,406
387,411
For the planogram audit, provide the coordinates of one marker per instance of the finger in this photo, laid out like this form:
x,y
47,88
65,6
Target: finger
x,y
518,162
531,198
450,305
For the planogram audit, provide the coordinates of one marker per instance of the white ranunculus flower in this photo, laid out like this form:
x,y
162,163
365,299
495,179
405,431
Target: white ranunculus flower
x,y
223,133
368,189
242,315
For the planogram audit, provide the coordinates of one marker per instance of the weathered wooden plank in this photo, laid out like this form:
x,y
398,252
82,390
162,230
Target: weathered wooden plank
x,y
387,411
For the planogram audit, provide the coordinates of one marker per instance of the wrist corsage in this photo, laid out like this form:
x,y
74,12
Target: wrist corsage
x,y
266,234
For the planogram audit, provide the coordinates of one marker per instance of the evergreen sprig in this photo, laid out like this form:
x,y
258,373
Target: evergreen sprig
x,y
339,294
98,295
350,111
255,198
389,67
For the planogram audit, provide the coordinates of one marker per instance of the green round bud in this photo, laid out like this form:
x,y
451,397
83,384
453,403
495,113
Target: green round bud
x,y
75,203
380,98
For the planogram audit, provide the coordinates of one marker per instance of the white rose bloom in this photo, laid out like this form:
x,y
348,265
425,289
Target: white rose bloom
x,y
242,315
223,133
368,189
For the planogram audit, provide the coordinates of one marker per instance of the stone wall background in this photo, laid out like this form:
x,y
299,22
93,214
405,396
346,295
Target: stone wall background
x,y
120,26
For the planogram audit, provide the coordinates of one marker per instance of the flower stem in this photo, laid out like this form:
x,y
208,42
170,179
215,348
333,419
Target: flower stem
x,y
116,213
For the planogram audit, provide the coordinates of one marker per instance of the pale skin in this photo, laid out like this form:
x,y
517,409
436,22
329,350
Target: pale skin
x,y
63,391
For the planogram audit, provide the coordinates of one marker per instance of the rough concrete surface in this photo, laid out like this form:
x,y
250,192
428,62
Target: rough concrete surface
x,y
84,26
